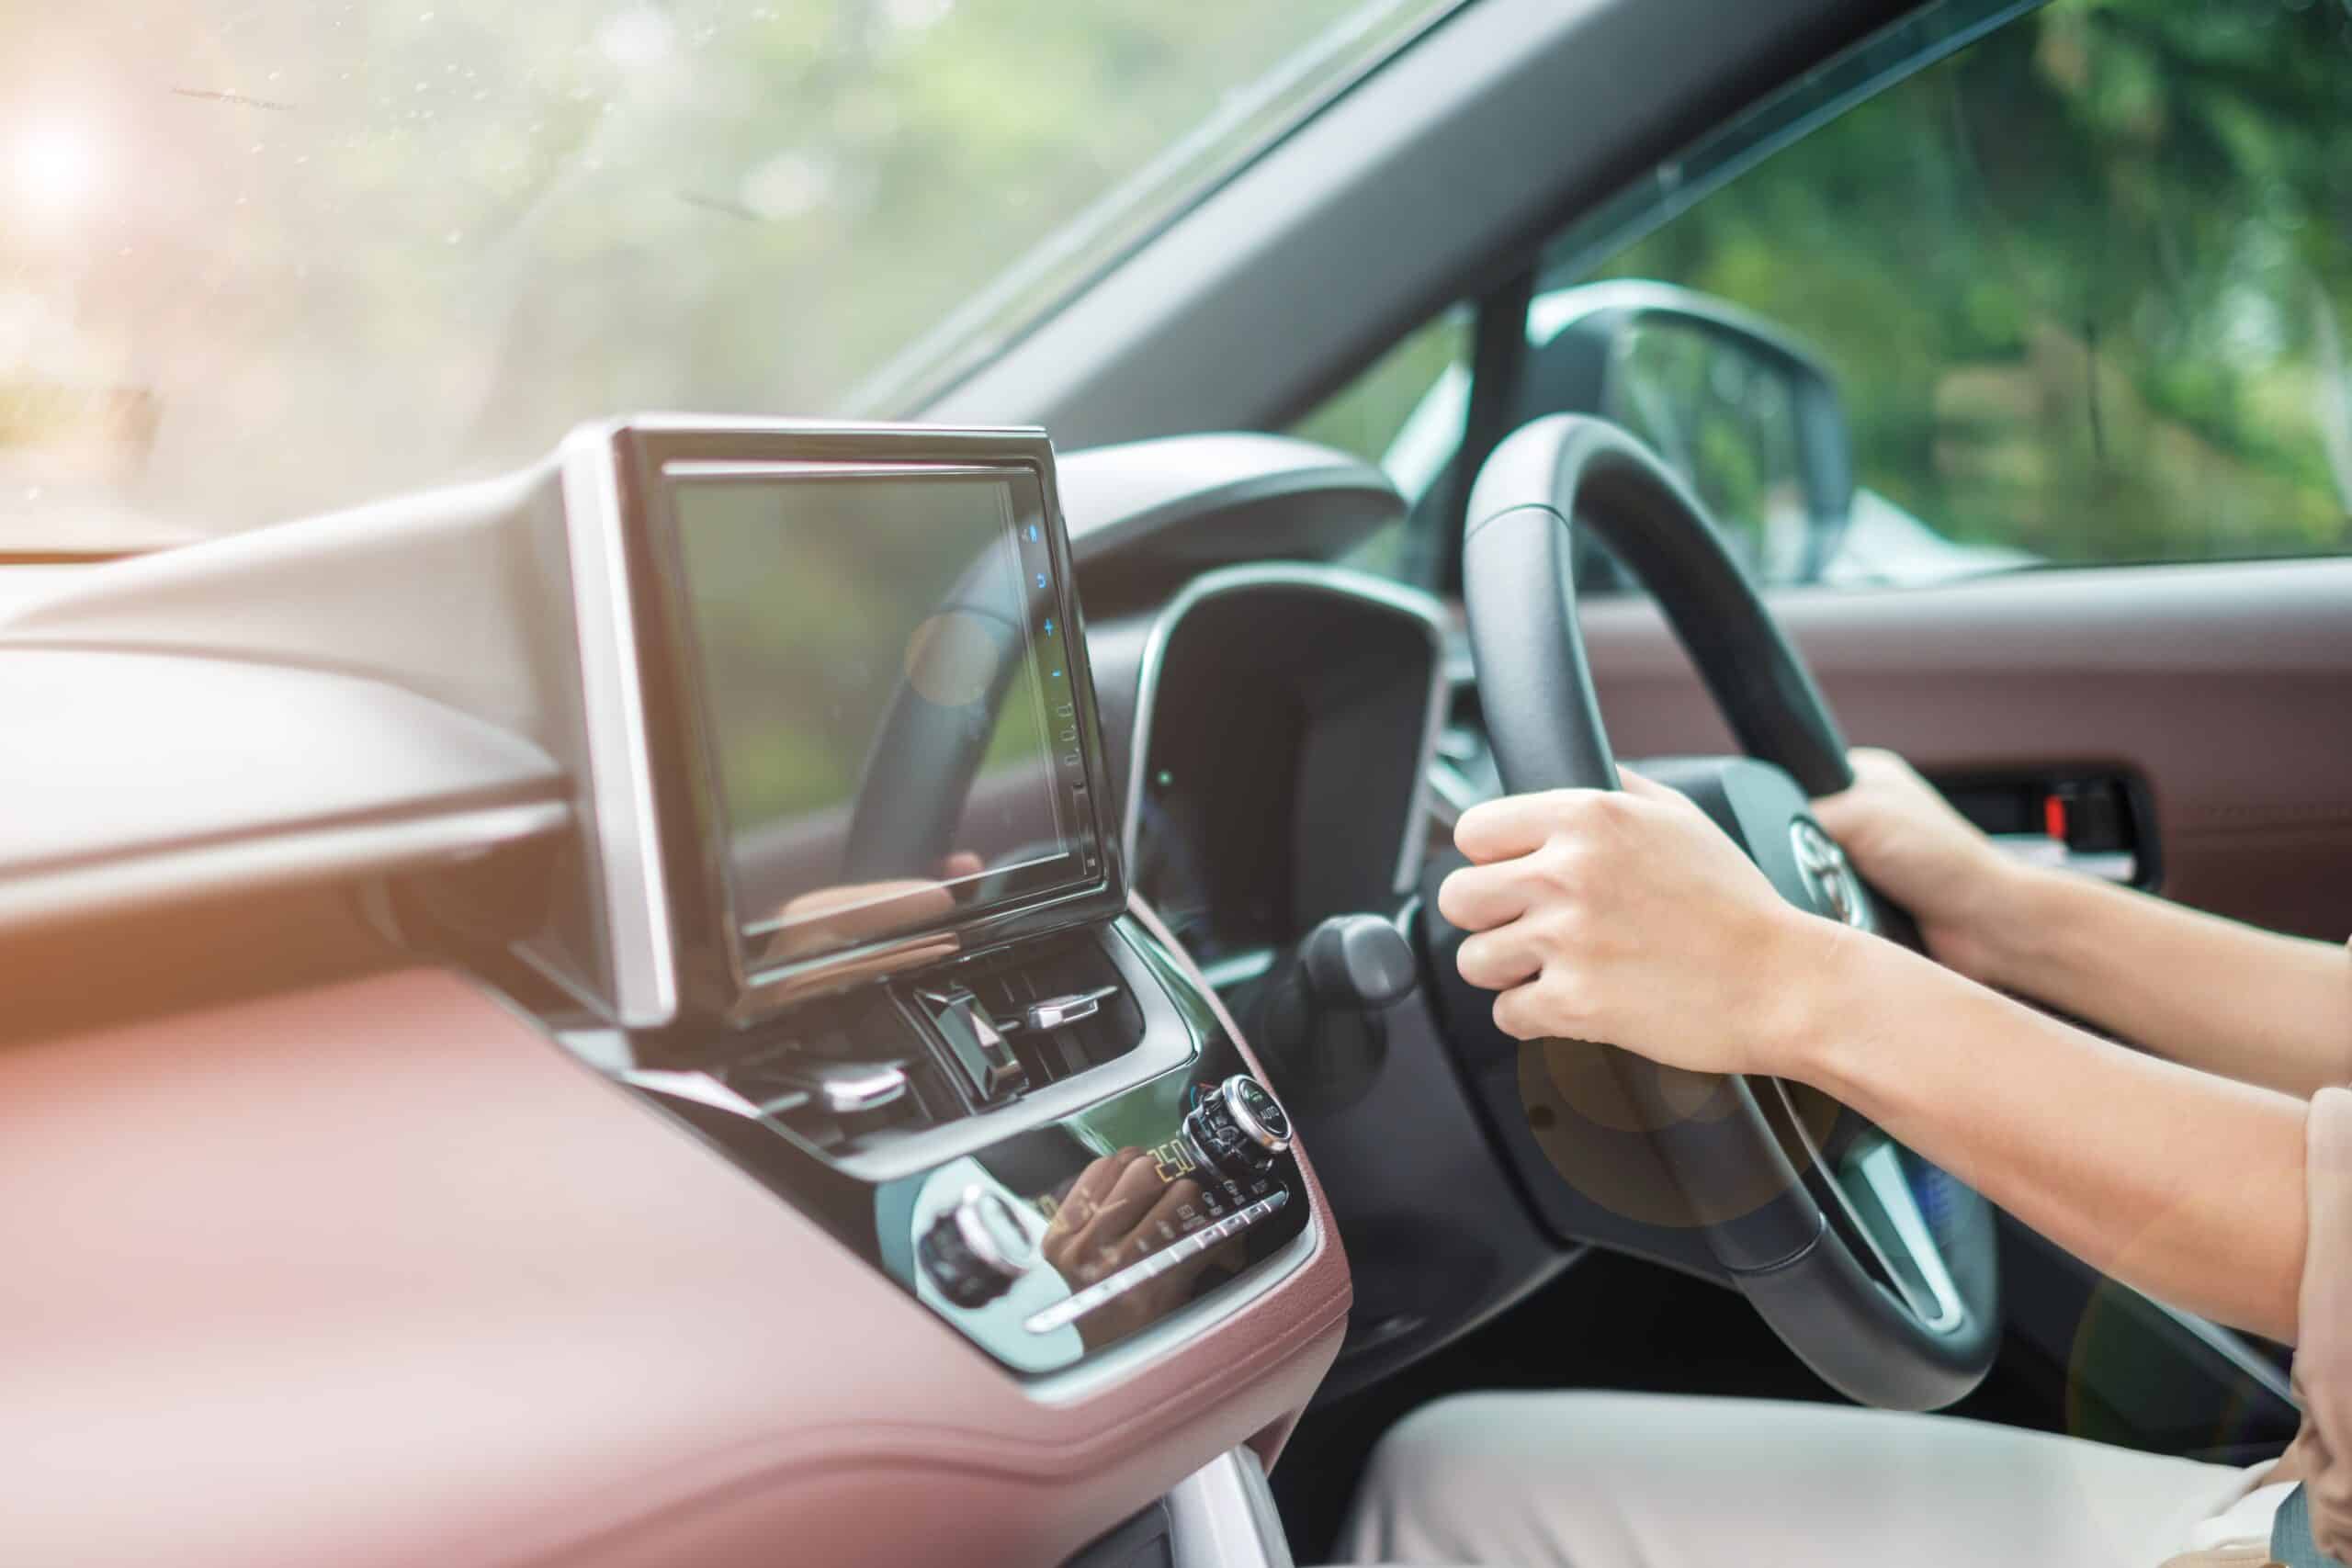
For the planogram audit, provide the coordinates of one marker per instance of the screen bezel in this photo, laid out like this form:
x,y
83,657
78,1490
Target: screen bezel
x,y
720,979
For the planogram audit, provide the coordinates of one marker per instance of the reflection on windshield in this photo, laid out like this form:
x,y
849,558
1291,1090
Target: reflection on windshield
x,y
258,260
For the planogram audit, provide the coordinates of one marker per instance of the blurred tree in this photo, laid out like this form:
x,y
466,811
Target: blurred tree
x,y
2082,284
343,247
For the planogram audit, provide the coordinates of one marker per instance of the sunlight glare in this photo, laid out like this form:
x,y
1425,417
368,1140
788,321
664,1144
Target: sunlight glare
x,y
56,165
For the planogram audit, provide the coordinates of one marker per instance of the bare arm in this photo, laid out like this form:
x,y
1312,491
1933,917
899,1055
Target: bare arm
x,y
2248,1004
1630,918
2210,993
2186,1185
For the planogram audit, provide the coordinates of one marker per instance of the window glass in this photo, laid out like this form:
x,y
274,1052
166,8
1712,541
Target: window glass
x,y
2082,290
1374,415
1404,411
261,257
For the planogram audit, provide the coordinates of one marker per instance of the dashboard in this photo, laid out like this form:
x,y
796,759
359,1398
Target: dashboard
x,y
716,897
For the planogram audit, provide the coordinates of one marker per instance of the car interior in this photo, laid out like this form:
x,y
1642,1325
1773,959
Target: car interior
x,y
856,978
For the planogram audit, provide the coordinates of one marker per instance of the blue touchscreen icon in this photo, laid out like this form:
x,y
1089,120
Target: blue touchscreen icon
x,y
1030,533
1050,625
1041,580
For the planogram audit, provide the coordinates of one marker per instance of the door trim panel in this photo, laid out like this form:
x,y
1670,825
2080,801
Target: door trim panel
x,y
2228,687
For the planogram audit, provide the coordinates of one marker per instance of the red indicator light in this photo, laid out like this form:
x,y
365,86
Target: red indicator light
x,y
2053,816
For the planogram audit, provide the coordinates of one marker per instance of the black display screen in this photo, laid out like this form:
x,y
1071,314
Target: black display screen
x,y
1216,820
890,714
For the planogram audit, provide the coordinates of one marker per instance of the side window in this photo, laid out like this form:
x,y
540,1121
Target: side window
x,y
2077,293
1406,413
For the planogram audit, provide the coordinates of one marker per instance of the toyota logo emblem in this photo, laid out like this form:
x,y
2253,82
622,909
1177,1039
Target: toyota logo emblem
x,y
1829,879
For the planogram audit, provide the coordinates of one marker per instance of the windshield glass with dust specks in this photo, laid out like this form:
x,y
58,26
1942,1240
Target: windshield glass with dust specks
x,y
262,259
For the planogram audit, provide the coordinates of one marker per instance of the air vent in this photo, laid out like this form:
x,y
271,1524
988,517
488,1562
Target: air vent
x,y
842,1069
887,1061
1062,1008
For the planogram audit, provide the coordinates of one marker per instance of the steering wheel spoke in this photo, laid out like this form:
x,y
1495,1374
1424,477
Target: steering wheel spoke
x,y
1876,1183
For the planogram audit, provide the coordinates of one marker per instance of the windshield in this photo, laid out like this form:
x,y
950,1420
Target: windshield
x,y
261,260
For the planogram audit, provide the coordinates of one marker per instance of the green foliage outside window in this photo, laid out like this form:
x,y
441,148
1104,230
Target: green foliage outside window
x,y
2084,285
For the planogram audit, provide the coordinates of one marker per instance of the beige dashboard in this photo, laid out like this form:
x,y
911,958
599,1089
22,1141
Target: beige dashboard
x,y
375,1272
351,1220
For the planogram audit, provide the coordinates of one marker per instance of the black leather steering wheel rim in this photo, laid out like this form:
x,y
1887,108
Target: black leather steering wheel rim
x,y
1801,1270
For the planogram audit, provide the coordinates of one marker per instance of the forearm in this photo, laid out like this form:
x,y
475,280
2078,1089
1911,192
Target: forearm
x,y
2216,994
2188,1186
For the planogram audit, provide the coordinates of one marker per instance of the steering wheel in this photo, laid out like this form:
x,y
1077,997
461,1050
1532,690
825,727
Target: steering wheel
x,y
1877,1268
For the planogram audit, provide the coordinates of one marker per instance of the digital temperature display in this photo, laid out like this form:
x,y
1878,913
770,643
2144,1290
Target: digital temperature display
x,y
1171,1162
1173,1158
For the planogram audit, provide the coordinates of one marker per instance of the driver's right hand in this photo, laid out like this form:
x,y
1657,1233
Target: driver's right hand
x,y
1910,845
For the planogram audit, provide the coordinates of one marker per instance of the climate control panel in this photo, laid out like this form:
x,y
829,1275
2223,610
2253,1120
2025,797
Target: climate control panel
x,y
1180,1253
1074,1212
1120,1239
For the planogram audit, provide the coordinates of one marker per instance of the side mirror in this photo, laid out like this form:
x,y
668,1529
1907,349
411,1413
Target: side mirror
x,y
1743,413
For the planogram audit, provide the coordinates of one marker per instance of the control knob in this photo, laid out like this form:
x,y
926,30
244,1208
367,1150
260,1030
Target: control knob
x,y
1239,1129
974,1251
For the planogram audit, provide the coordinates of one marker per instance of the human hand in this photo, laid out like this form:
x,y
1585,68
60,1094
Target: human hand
x,y
1628,917
1909,843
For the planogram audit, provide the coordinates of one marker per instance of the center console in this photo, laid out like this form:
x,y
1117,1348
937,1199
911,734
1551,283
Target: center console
x,y
866,910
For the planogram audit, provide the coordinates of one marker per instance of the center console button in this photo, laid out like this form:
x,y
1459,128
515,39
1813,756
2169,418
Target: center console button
x,y
1261,1120
1238,1130
974,1251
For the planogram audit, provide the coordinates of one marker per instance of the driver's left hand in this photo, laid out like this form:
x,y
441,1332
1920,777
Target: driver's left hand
x,y
1629,916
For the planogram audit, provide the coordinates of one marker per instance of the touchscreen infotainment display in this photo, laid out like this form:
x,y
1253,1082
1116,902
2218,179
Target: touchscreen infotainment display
x,y
888,709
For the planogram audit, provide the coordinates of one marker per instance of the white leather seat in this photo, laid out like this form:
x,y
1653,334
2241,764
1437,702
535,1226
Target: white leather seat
x,y
1633,1481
